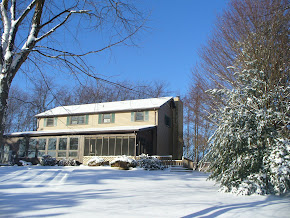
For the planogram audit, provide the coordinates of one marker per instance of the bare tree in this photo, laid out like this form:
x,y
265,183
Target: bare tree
x,y
248,29
18,111
97,91
197,127
28,28
23,105
45,94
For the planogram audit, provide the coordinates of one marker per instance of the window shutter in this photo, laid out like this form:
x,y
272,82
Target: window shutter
x,y
67,121
87,119
44,122
146,115
132,116
55,121
100,118
113,117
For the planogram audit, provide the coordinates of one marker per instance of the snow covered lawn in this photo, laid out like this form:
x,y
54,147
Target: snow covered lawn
x,y
37,191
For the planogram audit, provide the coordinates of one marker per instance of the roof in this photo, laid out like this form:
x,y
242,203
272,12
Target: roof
x,y
129,105
118,129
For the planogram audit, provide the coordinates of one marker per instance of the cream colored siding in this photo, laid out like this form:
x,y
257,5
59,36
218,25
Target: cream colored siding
x,y
121,119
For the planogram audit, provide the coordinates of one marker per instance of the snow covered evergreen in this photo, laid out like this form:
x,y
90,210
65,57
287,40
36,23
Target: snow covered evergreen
x,y
250,147
150,163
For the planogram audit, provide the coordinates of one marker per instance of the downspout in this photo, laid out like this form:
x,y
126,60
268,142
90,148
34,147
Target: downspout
x,y
135,144
155,116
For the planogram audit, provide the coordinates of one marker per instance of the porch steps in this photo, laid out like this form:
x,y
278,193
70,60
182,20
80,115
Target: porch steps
x,y
180,169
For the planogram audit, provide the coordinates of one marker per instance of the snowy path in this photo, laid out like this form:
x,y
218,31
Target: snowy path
x,y
106,192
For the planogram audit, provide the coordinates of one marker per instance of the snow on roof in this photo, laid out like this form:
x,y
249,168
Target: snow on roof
x,y
106,107
79,131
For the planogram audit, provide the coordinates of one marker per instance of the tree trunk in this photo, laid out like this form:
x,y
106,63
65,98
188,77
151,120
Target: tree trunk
x,y
4,91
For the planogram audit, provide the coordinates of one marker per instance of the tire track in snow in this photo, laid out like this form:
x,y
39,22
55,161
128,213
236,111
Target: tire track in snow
x,y
12,175
60,178
22,178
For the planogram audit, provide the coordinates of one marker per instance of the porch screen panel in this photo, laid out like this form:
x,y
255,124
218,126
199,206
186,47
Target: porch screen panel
x,y
99,143
32,148
105,146
118,150
132,146
41,147
87,147
52,147
22,148
41,144
61,154
62,145
112,146
125,146
52,144
74,145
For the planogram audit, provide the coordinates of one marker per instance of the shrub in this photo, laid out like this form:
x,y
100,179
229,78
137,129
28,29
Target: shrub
x,y
47,160
24,163
68,162
97,161
123,162
150,163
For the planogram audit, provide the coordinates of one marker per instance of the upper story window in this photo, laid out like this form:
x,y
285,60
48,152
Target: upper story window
x,y
107,118
50,121
140,116
167,121
78,120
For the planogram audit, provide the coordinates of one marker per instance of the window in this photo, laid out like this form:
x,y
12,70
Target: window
x,y
74,143
22,148
61,154
50,121
41,147
167,121
52,144
41,144
77,120
62,145
73,147
140,116
59,147
107,118
51,147
110,145
32,148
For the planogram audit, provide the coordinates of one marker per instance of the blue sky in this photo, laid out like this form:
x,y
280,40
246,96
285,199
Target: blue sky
x,y
167,51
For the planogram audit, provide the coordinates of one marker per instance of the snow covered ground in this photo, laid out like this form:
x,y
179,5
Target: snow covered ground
x,y
37,191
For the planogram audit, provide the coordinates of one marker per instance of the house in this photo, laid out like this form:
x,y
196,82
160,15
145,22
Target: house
x,y
152,126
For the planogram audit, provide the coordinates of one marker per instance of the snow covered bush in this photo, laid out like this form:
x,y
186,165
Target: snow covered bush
x,y
68,162
97,161
47,160
278,164
249,150
123,162
150,163
25,163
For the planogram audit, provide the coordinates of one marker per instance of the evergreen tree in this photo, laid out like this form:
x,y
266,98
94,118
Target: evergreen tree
x,y
250,148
